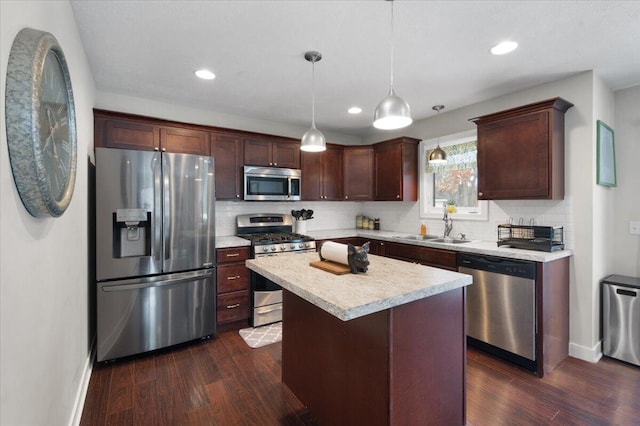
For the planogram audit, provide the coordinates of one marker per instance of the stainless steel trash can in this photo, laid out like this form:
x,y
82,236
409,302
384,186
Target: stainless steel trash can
x,y
621,318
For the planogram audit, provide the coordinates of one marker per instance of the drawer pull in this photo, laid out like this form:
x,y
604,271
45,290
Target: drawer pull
x,y
233,255
237,305
237,277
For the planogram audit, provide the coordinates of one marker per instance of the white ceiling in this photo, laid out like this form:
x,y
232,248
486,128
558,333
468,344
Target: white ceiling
x,y
150,49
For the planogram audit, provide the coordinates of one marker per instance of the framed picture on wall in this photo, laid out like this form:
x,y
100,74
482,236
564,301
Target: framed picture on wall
x,y
606,155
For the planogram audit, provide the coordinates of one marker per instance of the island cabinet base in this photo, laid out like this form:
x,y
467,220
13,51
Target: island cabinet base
x,y
401,366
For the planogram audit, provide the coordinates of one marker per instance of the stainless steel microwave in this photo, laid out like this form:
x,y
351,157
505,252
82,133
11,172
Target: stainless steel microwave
x,y
271,184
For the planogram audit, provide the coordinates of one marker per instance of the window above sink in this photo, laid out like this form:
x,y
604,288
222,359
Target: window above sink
x,y
456,180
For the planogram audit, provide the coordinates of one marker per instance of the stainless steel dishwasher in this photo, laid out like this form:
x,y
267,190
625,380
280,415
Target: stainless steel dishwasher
x,y
501,307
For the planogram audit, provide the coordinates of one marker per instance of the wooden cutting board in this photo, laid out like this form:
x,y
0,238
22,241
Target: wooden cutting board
x,y
333,267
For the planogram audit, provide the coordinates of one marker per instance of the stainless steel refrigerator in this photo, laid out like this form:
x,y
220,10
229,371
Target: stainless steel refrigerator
x,y
155,250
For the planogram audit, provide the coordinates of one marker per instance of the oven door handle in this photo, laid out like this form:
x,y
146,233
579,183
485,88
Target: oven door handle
x,y
268,309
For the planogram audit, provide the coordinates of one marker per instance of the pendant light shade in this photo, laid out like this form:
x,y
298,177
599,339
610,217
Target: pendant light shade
x,y
313,140
392,112
438,156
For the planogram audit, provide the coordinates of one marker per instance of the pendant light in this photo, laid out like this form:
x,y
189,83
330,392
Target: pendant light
x,y
392,112
438,156
313,140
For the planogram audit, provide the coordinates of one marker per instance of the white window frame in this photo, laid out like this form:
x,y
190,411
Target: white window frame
x,y
427,211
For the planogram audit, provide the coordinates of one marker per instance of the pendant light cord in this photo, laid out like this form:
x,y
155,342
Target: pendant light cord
x,y
391,44
313,93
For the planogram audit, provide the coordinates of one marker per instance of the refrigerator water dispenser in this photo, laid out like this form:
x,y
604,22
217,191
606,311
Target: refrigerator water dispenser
x,y
131,233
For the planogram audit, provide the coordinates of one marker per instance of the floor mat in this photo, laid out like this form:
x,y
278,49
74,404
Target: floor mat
x,y
262,336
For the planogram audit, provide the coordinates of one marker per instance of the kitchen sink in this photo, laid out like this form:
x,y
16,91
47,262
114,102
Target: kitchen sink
x,y
416,237
449,241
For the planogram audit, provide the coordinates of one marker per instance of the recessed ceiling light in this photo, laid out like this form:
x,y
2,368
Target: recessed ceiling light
x,y
205,74
354,110
504,47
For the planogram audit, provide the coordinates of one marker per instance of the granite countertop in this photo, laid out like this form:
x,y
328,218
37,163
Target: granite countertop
x,y
489,248
231,241
386,284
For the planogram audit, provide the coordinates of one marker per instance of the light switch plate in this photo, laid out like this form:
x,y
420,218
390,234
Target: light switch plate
x,y
634,227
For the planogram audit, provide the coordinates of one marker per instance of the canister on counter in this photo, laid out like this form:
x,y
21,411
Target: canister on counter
x,y
359,221
371,223
365,222
376,224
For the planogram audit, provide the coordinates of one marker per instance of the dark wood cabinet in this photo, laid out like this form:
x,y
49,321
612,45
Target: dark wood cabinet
x,y
227,153
233,299
117,130
428,256
521,152
396,170
271,153
322,174
358,166
184,141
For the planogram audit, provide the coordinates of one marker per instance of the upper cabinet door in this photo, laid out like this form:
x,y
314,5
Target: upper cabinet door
x,y
521,152
358,166
396,170
227,153
124,134
184,141
322,174
286,154
257,152
332,173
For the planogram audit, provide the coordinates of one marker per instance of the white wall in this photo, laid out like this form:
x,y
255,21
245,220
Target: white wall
x,y
44,348
626,207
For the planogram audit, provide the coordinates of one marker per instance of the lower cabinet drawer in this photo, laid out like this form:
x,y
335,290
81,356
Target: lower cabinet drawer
x,y
233,277
233,306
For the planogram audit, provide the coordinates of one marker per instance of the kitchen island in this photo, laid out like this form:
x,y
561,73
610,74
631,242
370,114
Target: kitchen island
x,y
384,347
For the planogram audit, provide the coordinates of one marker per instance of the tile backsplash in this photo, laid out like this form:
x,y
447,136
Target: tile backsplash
x,y
405,216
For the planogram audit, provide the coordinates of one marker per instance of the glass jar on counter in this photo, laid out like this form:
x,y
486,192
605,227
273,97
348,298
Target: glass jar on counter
x,y
359,221
365,222
376,224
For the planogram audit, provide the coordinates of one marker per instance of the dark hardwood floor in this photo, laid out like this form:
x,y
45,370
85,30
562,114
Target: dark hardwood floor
x,y
224,382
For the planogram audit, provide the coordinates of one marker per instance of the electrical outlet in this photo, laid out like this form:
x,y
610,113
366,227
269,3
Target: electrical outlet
x,y
634,228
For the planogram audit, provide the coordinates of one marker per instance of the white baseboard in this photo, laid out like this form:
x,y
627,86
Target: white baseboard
x,y
584,353
78,405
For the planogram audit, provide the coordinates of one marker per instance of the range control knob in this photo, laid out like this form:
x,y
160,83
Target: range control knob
x,y
265,248
292,246
283,248
273,248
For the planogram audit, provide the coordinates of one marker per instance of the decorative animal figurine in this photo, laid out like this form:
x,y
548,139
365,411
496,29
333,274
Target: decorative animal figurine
x,y
357,257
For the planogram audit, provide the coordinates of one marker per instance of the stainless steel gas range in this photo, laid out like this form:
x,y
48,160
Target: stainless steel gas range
x,y
271,234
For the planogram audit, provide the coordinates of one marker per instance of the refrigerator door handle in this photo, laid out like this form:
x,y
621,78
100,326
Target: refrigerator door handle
x,y
156,246
166,207
137,284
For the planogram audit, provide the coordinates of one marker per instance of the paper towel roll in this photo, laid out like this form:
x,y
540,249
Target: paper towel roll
x,y
335,252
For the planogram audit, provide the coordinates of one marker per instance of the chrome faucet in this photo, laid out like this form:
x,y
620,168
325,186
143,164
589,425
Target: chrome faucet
x,y
448,223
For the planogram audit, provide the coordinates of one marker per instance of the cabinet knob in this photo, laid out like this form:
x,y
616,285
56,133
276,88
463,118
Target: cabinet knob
x,y
164,149
237,195
346,197
275,164
381,244
237,277
398,197
480,194
155,148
